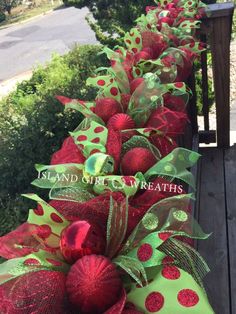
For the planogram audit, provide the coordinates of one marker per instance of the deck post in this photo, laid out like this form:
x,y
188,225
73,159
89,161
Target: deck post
x,y
220,21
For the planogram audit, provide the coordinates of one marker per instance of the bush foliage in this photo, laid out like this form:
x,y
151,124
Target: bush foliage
x,y
32,121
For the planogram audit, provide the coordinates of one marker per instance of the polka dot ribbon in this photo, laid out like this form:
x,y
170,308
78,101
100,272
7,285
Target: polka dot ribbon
x,y
170,290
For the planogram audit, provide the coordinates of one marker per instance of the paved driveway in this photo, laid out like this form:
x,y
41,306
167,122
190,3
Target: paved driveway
x,y
23,46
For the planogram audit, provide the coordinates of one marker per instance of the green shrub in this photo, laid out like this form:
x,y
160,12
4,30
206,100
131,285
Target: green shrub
x,y
32,122
2,17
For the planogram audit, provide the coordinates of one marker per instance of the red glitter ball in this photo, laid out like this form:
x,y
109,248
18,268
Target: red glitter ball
x,y
145,252
93,284
107,107
121,121
188,298
154,302
170,272
138,159
81,238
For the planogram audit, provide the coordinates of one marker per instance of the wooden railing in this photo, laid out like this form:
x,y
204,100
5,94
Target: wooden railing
x,y
216,33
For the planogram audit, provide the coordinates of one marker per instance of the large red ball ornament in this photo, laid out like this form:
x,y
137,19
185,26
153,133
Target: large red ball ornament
x,y
93,284
82,238
121,121
106,108
138,159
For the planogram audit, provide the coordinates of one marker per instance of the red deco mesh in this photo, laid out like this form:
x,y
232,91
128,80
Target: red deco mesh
x,y
172,123
41,292
155,42
97,209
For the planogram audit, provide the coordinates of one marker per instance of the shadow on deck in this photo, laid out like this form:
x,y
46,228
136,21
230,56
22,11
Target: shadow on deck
x,y
217,214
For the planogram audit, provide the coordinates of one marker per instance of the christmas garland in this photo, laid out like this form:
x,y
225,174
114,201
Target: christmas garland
x,y
116,236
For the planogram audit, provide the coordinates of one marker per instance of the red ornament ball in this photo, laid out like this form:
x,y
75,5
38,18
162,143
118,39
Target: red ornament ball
x,y
121,121
107,107
93,284
137,159
82,237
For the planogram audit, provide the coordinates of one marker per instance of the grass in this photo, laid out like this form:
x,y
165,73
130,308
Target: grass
x,y
22,13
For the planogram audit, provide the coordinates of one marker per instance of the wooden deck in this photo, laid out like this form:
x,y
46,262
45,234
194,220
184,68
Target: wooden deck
x,y
217,214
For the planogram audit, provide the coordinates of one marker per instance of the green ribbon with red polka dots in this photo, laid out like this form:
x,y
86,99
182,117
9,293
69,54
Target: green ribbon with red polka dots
x,y
174,166
41,260
169,290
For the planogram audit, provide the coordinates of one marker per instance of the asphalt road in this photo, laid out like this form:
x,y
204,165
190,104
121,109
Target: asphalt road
x,y
24,46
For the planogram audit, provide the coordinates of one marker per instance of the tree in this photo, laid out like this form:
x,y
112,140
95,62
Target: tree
x,y
112,18
7,5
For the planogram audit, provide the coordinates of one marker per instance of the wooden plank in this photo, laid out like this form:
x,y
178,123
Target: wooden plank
x,y
207,136
220,9
212,218
230,177
220,49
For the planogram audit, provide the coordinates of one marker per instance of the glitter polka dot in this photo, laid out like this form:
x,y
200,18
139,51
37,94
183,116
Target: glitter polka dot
x,y
39,211
94,151
114,91
56,218
31,262
44,231
99,129
145,252
82,138
180,215
137,40
135,50
168,168
188,298
179,84
170,272
96,140
154,302
150,221
101,82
